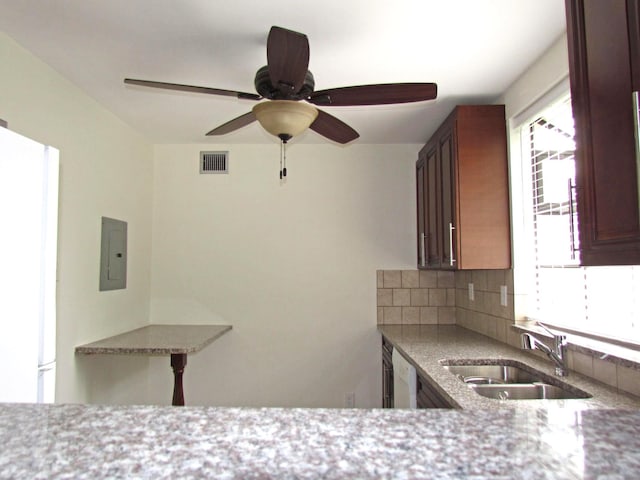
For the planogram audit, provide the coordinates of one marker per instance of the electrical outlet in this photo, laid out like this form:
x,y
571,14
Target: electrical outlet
x,y
350,400
503,295
471,294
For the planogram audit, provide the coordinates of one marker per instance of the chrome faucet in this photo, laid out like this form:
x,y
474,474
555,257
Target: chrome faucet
x,y
557,354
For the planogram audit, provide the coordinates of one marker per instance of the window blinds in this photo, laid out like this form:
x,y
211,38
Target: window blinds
x,y
600,300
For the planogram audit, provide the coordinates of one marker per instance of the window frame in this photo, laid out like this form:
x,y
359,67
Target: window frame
x,y
524,265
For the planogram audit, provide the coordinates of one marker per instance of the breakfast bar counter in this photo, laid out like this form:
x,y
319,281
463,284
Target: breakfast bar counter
x,y
152,442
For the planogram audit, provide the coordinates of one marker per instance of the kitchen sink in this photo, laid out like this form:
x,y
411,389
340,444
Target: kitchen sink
x,y
524,391
490,374
505,379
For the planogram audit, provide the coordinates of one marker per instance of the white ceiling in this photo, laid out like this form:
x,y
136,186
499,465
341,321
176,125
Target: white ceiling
x,y
473,50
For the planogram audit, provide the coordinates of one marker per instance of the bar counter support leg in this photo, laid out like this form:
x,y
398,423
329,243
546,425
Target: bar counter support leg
x,y
178,362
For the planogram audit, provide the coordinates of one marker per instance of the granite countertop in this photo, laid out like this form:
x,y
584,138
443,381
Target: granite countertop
x,y
547,440
157,340
427,345
94,442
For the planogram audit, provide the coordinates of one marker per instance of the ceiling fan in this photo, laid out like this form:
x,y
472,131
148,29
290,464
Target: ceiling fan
x,y
288,86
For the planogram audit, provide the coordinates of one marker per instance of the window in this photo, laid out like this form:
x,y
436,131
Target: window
x,y
603,301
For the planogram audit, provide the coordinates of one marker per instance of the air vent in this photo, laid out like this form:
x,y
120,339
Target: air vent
x,y
214,162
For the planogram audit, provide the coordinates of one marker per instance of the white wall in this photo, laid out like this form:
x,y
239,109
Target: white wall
x,y
106,169
291,267
546,72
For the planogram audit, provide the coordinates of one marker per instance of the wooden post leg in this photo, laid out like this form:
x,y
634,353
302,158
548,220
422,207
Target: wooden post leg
x,y
178,362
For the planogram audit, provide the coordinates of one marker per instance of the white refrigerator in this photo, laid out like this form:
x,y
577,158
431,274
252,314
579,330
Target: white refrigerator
x,y
28,246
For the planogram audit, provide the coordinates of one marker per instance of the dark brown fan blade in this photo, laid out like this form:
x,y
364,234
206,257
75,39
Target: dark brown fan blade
x,y
332,128
234,124
192,88
381,94
287,58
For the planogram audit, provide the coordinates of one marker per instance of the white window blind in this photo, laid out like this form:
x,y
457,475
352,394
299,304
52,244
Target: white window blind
x,y
603,301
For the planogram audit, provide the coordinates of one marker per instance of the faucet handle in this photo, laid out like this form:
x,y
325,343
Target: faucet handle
x,y
546,329
559,337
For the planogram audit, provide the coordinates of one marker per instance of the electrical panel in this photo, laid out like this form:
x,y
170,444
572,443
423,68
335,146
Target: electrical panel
x,y
113,255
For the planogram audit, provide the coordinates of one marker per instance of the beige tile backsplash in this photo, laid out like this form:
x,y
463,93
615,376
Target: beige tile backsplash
x,y
416,297
442,297
485,314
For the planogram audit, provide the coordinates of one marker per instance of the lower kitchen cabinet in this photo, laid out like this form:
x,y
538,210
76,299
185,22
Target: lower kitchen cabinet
x,y
428,397
387,374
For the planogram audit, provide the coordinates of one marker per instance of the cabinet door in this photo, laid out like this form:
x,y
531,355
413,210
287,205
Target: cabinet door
x,y
432,202
633,12
387,374
420,208
428,397
603,56
446,151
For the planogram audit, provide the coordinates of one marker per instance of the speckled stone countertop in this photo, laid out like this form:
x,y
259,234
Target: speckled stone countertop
x,y
575,439
96,442
426,346
157,340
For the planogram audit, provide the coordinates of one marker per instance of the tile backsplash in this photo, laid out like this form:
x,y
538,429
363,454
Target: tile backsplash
x,y
484,313
416,297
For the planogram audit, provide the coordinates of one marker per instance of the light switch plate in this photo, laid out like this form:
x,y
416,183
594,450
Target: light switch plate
x,y
471,293
113,255
503,295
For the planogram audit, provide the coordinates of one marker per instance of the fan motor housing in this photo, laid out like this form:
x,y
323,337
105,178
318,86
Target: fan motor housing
x,y
267,90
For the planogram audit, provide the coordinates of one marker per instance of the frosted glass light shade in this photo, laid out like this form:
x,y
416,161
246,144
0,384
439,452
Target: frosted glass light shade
x,y
285,117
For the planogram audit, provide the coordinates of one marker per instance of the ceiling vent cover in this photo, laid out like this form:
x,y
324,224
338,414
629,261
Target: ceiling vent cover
x,y
214,162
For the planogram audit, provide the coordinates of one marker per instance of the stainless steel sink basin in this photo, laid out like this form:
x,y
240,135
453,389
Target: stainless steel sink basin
x,y
524,391
490,374
505,379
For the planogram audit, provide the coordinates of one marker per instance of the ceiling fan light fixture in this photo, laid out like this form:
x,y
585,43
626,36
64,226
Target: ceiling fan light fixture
x,y
285,117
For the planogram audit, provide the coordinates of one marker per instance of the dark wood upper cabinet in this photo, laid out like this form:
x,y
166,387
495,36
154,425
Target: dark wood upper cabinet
x,y
421,168
463,192
432,215
447,155
604,64
428,186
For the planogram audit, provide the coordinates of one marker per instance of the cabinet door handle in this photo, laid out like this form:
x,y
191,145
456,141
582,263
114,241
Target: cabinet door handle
x,y
572,233
452,260
423,260
636,132
384,386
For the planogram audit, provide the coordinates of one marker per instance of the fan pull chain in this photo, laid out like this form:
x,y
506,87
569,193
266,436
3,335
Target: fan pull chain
x,y
284,155
284,138
281,156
